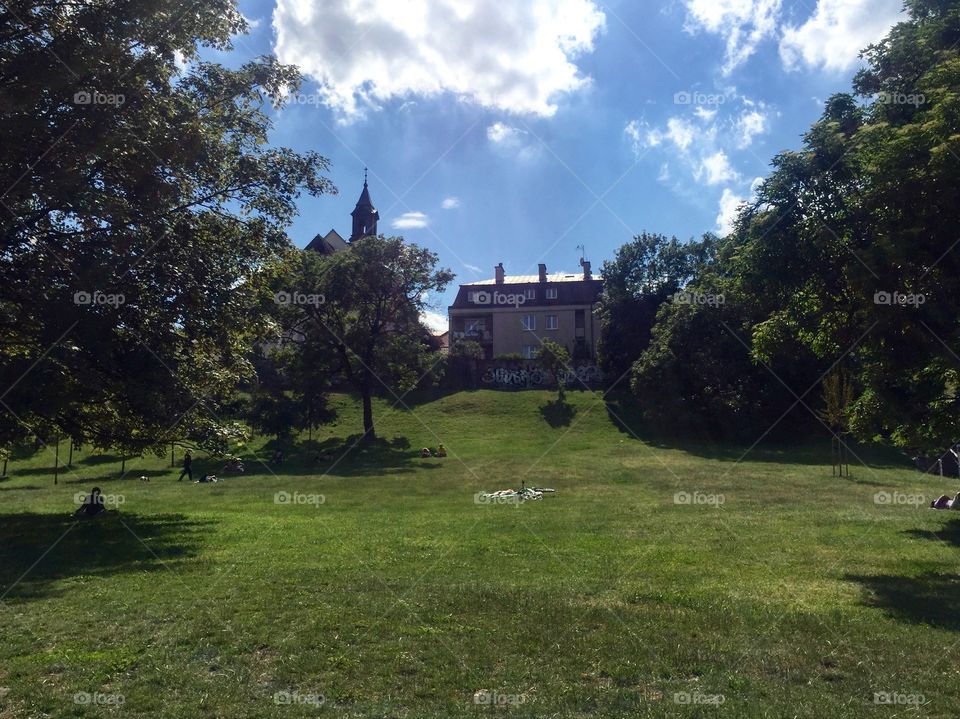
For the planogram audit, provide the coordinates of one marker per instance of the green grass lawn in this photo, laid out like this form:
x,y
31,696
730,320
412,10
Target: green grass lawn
x,y
384,590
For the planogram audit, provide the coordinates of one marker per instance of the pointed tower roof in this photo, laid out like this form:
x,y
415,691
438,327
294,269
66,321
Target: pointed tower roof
x,y
365,215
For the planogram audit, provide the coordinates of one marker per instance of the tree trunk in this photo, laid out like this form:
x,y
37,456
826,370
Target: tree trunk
x,y
368,431
70,458
56,462
172,446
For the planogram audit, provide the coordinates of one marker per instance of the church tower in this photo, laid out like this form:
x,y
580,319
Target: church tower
x,y
364,215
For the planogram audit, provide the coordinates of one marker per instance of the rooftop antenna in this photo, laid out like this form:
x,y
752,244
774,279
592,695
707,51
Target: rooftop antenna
x,y
583,253
364,175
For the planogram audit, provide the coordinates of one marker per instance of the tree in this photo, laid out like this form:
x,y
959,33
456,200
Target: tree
x,y
643,275
141,201
361,309
555,359
847,257
837,397
462,362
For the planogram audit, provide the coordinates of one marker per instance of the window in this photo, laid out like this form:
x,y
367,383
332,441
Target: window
x,y
552,322
551,293
530,352
474,326
529,322
530,294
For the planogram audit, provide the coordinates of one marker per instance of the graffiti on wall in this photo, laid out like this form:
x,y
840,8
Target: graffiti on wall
x,y
534,377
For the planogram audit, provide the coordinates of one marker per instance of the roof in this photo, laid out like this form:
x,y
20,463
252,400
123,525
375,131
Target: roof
x,y
364,203
527,279
571,289
327,244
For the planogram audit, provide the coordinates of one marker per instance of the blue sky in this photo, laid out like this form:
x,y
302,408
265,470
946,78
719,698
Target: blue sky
x,y
498,133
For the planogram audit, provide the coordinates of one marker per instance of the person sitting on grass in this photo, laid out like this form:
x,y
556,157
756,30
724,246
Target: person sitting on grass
x,y
276,459
441,451
425,452
944,502
92,505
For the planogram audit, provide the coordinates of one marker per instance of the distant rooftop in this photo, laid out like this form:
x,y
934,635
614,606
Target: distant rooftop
x,y
526,279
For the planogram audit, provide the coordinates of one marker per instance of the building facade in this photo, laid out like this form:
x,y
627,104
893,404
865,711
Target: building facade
x,y
513,314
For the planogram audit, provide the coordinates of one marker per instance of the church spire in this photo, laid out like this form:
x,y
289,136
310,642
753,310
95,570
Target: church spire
x,y
364,215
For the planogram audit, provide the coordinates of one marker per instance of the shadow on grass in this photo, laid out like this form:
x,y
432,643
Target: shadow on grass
x,y
929,598
950,533
557,413
344,457
132,475
810,447
38,550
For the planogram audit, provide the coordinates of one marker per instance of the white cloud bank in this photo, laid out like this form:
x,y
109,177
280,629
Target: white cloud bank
x,y
515,57
837,31
830,38
450,203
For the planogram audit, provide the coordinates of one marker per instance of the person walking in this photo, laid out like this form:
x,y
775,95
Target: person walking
x,y
187,461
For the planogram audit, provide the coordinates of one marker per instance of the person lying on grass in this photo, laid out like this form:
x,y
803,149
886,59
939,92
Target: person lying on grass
x,y
92,505
944,502
207,478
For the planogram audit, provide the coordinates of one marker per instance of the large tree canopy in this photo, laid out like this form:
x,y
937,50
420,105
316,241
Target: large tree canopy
x,y
357,314
847,261
139,201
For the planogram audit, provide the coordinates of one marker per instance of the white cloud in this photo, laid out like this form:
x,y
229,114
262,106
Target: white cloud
x,y
512,140
678,131
515,57
472,268
730,203
500,132
435,321
715,169
411,220
450,203
743,24
729,206
751,123
837,31
705,114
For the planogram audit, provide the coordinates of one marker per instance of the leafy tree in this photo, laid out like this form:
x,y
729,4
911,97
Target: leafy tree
x,y
555,359
837,398
462,362
361,309
643,275
141,200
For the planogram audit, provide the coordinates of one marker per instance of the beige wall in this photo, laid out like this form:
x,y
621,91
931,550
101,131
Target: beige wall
x,y
509,336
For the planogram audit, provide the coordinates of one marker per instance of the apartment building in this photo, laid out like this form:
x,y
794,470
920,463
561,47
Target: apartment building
x,y
513,314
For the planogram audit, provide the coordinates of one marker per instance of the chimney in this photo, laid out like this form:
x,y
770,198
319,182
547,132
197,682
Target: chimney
x,y
543,272
498,272
585,264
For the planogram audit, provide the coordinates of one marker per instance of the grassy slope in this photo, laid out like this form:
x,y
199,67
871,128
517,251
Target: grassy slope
x,y
399,596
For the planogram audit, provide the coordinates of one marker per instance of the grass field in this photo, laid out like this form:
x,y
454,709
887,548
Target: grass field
x,y
383,589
